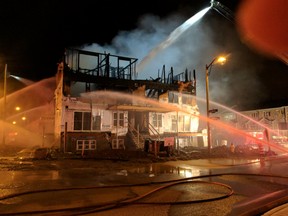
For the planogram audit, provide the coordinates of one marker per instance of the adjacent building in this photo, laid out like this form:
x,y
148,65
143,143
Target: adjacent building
x,y
268,124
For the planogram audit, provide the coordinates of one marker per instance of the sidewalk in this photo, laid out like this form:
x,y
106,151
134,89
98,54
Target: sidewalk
x,y
281,210
273,204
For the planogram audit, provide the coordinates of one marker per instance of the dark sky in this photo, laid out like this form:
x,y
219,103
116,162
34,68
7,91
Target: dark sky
x,y
34,35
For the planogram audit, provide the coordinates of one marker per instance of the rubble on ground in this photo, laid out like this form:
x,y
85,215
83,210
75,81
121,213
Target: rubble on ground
x,y
187,153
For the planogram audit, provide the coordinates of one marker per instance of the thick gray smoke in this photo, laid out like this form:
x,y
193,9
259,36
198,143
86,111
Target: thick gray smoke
x,y
235,83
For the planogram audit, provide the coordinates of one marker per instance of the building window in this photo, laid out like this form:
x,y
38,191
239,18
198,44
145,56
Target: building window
x,y
93,144
174,123
172,97
255,115
121,119
82,120
118,119
180,123
267,114
86,145
186,123
187,99
229,116
118,144
77,121
157,120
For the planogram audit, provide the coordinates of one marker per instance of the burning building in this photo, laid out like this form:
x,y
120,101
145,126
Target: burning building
x,y
100,104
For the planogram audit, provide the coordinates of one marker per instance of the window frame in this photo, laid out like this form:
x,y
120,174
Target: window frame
x,y
82,122
86,145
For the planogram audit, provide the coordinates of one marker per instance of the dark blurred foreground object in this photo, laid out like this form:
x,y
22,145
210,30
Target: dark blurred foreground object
x,y
263,25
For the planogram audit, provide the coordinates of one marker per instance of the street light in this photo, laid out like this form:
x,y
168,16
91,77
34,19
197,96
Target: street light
x,y
220,60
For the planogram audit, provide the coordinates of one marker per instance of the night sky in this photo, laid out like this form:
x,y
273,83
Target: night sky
x,y
34,35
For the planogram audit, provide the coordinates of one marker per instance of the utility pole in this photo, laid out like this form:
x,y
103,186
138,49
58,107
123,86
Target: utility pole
x,y
220,60
4,105
208,108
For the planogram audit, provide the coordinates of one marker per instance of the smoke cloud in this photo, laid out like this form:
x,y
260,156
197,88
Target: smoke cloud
x,y
235,83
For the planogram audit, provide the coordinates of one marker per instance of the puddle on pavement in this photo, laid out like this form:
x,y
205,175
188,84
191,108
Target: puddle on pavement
x,y
159,169
18,177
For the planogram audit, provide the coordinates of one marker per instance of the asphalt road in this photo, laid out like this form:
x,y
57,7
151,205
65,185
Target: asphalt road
x,y
230,186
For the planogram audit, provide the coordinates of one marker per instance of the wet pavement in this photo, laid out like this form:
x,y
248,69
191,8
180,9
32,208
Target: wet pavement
x,y
103,187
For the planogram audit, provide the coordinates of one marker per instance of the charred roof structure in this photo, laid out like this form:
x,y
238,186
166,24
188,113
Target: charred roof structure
x,y
99,71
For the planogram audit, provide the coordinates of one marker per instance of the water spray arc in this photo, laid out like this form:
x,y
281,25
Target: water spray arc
x,y
20,124
172,37
217,6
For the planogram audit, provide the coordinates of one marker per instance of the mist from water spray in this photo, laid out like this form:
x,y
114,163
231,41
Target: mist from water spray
x,y
26,82
31,95
35,100
240,132
231,110
225,108
172,37
34,113
27,138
